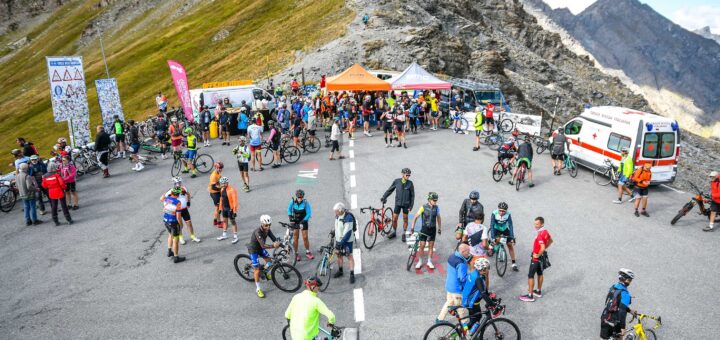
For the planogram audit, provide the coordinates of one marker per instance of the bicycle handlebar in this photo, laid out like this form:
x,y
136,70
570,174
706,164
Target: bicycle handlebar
x,y
362,210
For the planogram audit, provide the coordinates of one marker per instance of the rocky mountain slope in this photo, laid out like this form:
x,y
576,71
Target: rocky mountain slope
x,y
705,33
664,62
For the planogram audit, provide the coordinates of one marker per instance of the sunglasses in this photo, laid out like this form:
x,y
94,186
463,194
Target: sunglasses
x,y
435,200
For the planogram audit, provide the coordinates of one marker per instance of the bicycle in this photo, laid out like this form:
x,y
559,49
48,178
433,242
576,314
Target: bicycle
x,y
639,332
450,120
502,168
286,251
335,333
202,162
285,276
520,176
500,251
324,268
414,249
497,328
570,165
606,174
380,221
542,144
9,195
493,138
309,142
506,124
288,153
86,161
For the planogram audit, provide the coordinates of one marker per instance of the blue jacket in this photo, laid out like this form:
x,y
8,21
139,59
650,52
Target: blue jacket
x,y
304,205
625,298
474,289
456,273
243,121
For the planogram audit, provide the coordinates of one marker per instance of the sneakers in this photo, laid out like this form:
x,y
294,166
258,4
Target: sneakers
x,y
43,212
617,201
246,188
182,240
644,213
235,239
531,185
631,199
37,222
338,274
511,182
194,239
387,145
193,175
352,278
637,214
222,237
393,235
475,148
178,259
527,298
515,267
537,293
170,253
709,228
430,264
140,166
28,223
419,264
403,237
297,258
309,255
260,293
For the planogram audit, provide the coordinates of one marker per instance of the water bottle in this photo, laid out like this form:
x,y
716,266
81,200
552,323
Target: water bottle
x,y
474,328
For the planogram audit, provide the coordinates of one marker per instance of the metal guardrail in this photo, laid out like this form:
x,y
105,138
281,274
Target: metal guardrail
x,y
475,84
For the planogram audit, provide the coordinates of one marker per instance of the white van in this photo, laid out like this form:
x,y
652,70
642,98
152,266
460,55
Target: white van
x,y
599,133
236,94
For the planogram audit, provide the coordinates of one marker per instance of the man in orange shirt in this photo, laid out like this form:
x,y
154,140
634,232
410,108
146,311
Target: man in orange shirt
x,y
214,190
642,177
228,207
714,199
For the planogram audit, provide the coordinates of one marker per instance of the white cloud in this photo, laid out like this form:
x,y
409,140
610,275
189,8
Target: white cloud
x,y
575,6
693,18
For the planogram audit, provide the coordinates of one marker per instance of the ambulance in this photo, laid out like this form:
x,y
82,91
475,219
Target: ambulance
x,y
600,133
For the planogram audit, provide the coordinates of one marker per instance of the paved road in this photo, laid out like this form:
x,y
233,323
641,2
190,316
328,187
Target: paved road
x,y
107,275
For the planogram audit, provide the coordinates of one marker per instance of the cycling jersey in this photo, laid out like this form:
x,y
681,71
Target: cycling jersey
x,y
558,144
474,290
214,178
299,211
242,153
468,211
476,233
183,197
478,121
525,151
429,216
170,207
304,315
119,129
501,223
257,241
626,166
255,134
191,142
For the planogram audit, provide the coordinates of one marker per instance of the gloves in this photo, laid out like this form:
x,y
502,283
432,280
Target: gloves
x,y
188,204
383,200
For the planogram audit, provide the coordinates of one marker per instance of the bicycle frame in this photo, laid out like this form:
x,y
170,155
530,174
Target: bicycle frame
x,y
638,327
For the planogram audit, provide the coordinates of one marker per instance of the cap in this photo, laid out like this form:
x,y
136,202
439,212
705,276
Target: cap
x,y
713,174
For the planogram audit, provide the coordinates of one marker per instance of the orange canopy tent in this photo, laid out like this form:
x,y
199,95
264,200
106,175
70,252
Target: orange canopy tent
x,y
356,78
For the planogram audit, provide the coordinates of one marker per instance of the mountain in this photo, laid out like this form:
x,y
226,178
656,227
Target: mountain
x,y
664,62
705,33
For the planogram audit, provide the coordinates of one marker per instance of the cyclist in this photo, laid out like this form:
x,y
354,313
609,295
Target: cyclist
x,y
388,118
176,136
161,134
299,213
173,223
559,145
431,223
205,118
257,248
242,153
617,306
478,127
434,110
303,313
400,127
344,236
508,148
228,207
524,155
501,224
255,135
37,169
119,129
475,290
476,235
470,210
191,153
489,116
714,199
625,170
542,241
456,117
102,145
184,197
214,190
404,199
134,141
273,141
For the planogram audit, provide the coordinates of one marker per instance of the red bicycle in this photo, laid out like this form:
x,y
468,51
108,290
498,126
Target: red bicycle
x,y
380,223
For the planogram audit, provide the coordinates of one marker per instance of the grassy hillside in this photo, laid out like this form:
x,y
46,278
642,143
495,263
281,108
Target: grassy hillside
x,y
260,31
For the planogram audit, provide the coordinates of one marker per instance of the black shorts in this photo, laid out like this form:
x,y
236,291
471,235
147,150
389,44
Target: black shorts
x,y
400,127
505,233
206,127
185,213
607,331
430,235
535,268
242,132
560,157
243,166
715,207
70,186
227,213
642,192
215,197
335,146
274,146
387,127
120,138
478,133
489,120
398,208
296,132
173,228
504,155
302,225
311,132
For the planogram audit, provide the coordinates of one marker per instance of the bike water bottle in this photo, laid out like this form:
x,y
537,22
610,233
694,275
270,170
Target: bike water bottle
x,y
474,328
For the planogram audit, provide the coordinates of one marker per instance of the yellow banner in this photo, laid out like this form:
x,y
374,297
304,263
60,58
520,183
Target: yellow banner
x,y
227,83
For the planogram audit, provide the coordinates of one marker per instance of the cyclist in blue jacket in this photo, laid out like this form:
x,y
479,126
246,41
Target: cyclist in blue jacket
x,y
457,271
299,213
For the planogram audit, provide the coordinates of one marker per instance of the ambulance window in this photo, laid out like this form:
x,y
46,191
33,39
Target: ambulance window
x,y
574,127
667,145
650,145
659,145
617,142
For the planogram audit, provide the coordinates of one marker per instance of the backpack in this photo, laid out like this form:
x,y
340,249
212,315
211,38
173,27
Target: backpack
x,y
612,304
354,220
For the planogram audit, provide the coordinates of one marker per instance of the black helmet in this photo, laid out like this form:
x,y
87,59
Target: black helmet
x,y
474,195
503,206
300,193
313,282
432,196
406,171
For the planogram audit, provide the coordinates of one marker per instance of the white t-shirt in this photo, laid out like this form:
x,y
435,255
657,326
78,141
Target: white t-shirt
x,y
255,134
182,198
470,230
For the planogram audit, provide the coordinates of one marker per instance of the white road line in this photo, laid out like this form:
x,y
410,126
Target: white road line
x,y
673,189
352,166
351,143
351,153
353,183
359,305
358,261
353,201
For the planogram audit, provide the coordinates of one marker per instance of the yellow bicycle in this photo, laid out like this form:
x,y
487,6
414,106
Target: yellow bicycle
x,y
638,332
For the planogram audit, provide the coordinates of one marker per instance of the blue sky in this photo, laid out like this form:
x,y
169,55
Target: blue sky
x,y
691,14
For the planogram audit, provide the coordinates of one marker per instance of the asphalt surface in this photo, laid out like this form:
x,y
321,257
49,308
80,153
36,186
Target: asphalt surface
x,y
107,275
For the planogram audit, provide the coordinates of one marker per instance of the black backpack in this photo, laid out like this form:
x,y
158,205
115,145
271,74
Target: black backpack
x,y
610,314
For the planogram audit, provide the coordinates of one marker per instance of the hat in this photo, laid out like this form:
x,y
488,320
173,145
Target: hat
x,y
34,157
713,174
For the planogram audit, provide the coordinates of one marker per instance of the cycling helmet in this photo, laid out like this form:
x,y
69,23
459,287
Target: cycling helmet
x,y
176,190
177,180
265,220
34,157
474,195
62,140
313,282
503,206
173,119
242,139
223,180
243,108
339,206
625,150
271,123
300,193
15,152
481,264
188,130
433,196
219,165
515,133
626,274
406,171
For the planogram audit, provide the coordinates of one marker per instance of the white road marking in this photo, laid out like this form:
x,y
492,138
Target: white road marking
x,y
353,201
351,143
352,181
351,153
359,305
673,189
358,261
352,166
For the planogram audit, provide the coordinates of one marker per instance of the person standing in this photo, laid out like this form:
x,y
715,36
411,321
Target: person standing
x,y
273,142
470,210
161,102
243,121
625,171
27,189
214,190
205,119
404,199
37,169
69,173
185,198
479,122
400,126
344,237
173,219
119,129
55,186
176,137
543,240
134,140
457,273
229,207
19,159
299,213
714,199
431,224
617,306
303,313
335,134
255,136
102,147
242,153
559,143
28,148
642,178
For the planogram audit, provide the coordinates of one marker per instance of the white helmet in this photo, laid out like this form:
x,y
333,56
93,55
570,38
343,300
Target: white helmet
x,y
625,273
243,108
223,180
265,219
481,264
177,180
173,119
339,206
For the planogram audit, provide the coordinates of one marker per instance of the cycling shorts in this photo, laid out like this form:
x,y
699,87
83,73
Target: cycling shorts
x,y
535,268
400,127
714,206
173,228
504,155
135,148
500,233
302,225
524,160
229,214
243,166
609,331
274,146
398,208
215,198
185,214
206,127
190,154
70,186
296,131
478,132
427,234
489,120
120,138
346,250
254,257
255,148
560,157
176,142
642,192
434,114
387,127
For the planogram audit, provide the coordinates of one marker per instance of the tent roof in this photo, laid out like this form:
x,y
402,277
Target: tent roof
x,y
356,78
416,78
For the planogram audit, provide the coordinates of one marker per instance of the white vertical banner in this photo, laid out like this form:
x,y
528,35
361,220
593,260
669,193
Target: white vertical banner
x,y
109,99
69,95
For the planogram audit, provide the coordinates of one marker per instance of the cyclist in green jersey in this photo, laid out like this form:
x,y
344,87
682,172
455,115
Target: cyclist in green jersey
x,y
501,225
119,129
303,313
191,152
479,120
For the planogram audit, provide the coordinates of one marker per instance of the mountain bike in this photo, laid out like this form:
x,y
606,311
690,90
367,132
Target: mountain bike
x,y
606,174
484,325
700,199
288,153
9,195
380,222
414,249
286,251
202,162
502,168
570,165
327,261
638,332
520,176
501,255
285,276
335,333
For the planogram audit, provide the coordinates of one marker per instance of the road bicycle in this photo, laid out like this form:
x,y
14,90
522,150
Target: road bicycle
x,y
505,124
493,138
309,142
414,249
501,255
700,199
502,168
286,251
202,162
284,275
86,161
520,176
335,333
288,153
327,261
606,174
541,144
9,195
380,223
570,165
451,120
482,322
639,332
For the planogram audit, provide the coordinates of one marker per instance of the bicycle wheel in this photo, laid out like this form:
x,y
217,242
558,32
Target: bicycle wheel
x,y
291,154
444,331
92,168
541,148
506,125
204,163
601,176
285,254
649,334
370,234
7,200
243,266
176,167
387,220
464,125
497,172
267,155
286,332
572,168
311,145
324,272
501,260
411,257
286,277
500,328
685,209
520,177
486,140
